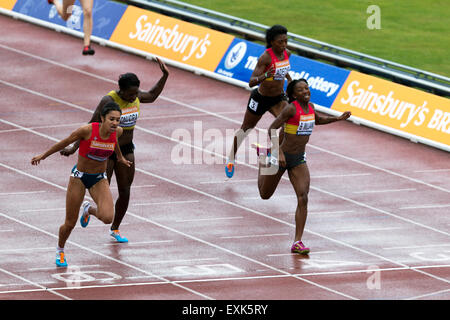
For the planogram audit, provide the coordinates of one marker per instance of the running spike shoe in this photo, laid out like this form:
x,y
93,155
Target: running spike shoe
x,y
85,217
299,247
229,168
116,235
61,259
87,50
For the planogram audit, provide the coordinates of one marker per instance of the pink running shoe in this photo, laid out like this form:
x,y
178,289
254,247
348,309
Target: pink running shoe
x,y
299,247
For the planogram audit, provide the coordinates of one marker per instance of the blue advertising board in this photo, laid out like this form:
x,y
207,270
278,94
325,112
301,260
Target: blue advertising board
x,y
325,81
106,15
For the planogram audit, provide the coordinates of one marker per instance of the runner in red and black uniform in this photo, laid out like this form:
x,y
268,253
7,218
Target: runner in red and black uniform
x,y
270,73
98,141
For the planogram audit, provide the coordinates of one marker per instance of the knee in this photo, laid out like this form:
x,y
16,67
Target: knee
x,y
87,13
105,215
303,199
106,218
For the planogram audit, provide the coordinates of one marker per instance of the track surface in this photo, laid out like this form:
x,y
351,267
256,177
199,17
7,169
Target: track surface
x,y
378,222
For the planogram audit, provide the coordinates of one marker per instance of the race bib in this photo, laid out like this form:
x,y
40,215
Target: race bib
x,y
306,125
129,117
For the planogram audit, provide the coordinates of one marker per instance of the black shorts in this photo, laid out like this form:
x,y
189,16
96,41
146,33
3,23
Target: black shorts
x,y
125,149
259,104
293,160
88,179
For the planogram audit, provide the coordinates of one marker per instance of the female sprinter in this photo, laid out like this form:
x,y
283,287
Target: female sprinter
x,y
97,142
128,97
270,71
298,118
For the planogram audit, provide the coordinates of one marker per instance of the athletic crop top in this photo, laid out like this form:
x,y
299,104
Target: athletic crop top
x,y
281,67
96,148
301,123
130,111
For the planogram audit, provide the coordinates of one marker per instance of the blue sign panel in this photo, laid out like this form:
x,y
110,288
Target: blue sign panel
x,y
106,15
325,81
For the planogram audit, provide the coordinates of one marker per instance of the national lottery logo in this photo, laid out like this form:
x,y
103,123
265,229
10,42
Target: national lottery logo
x,y
235,55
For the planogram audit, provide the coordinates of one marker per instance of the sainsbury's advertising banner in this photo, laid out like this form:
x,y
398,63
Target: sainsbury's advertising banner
x,y
396,106
171,38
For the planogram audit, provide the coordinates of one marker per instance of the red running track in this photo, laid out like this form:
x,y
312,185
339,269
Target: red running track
x,y
378,222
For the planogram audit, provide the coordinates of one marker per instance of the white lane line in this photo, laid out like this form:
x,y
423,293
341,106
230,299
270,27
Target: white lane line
x,y
165,202
340,175
132,244
209,219
20,193
367,229
426,206
22,250
144,186
329,212
42,209
432,170
386,190
228,181
74,266
296,254
256,236
182,260
418,247
427,295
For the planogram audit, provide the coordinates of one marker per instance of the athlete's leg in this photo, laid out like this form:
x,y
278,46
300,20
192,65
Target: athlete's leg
x,y
300,179
124,178
275,111
102,196
249,122
268,177
74,196
87,6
